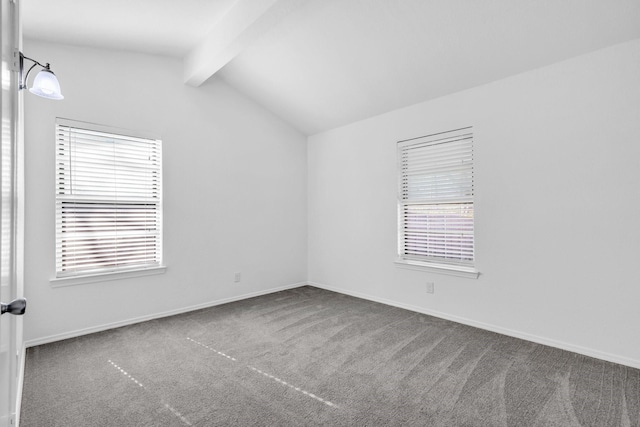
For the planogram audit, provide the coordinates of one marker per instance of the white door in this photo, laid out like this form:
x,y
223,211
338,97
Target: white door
x,y
10,279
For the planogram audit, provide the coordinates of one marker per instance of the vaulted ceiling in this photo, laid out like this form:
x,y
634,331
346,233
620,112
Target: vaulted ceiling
x,y
320,64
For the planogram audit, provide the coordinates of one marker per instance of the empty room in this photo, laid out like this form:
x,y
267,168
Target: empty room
x,y
320,213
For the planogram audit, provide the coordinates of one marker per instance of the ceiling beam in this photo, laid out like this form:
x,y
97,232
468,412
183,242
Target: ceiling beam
x,y
242,25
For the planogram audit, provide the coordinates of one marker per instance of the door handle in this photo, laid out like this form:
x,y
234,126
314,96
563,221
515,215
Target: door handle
x,y
16,307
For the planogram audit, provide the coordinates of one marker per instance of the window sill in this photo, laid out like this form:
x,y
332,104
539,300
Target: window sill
x,y
59,282
453,270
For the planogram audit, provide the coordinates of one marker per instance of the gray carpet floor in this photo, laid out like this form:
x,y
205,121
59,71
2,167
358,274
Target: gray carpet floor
x,y
307,357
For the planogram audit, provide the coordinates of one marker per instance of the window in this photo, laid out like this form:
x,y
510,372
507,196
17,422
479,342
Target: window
x,y
435,201
108,200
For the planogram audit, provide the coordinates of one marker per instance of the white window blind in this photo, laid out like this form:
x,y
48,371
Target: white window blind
x,y
436,198
108,200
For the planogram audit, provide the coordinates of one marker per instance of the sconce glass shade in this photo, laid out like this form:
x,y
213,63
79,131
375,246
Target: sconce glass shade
x,y
46,85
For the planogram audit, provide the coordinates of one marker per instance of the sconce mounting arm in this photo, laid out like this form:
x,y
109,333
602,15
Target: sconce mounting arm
x,y
23,82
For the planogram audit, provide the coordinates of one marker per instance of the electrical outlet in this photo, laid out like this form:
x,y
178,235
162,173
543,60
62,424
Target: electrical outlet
x,y
430,287
237,277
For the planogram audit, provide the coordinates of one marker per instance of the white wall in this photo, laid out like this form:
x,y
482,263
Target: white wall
x,y
234,190
557,168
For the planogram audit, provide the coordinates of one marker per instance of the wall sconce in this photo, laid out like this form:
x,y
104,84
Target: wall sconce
x,y
45,84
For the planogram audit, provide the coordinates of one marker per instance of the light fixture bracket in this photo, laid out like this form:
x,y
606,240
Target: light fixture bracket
x,y
15,64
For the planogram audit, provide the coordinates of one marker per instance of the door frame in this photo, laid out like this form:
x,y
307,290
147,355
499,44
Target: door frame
x,y
12,162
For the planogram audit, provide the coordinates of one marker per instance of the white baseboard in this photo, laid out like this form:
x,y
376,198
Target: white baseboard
x,y
104,327
493,328
498,329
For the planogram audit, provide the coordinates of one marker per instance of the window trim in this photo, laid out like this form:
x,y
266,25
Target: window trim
x,y
61,279
454,268
449,269
59,282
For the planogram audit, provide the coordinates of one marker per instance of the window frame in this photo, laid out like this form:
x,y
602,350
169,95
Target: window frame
x,y
100,274
462,268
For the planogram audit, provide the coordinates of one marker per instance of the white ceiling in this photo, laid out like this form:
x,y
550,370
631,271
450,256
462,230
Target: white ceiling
x,y
320,64
165,27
